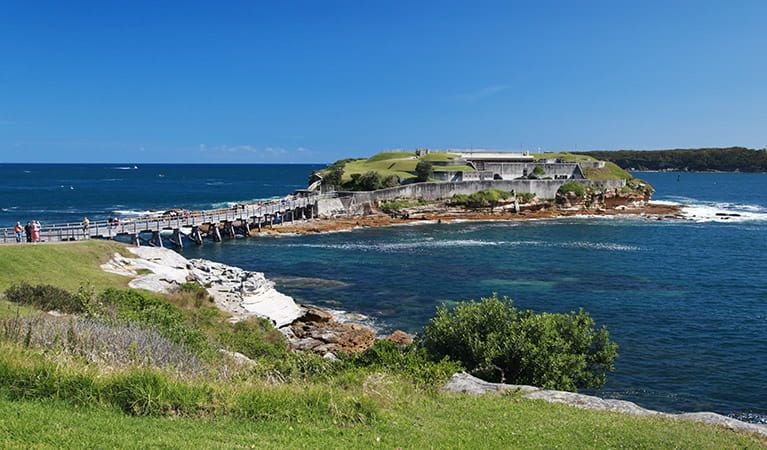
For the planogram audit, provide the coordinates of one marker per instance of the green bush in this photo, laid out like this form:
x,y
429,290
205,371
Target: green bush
x,y
539,171
45,297
412,362
501,343
525,197
255,338
423,170
487,198
147,309
572,186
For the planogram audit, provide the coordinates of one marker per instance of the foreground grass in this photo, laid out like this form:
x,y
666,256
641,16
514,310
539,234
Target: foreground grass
x,y
66,265
437,422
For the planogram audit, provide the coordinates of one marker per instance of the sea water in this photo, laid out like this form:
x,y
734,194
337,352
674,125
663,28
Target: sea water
x,y
685,300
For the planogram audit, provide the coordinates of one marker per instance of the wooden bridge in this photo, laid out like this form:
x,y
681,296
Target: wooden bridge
x,y
176,226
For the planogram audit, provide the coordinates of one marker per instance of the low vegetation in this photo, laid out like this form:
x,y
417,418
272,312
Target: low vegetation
x,y
488,198
572,186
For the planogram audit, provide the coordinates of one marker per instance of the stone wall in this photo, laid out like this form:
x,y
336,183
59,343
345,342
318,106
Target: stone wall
x,y
356,202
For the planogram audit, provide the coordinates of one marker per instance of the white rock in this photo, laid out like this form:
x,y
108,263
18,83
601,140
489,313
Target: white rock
x,y
239,292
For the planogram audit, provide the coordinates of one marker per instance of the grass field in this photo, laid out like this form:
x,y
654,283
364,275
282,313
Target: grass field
x,y
67,265
455,421
401,164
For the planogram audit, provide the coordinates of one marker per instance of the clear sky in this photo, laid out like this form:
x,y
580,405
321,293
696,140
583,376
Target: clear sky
x,y
163,81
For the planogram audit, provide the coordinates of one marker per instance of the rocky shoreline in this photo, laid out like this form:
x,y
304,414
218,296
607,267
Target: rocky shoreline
x,y
440,213
244,294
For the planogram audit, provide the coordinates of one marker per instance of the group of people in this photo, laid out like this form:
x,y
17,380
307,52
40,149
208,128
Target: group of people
x,y
30,232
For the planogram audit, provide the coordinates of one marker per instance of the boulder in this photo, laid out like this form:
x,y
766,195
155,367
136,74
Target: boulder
x,y
400,338
339,337
463,382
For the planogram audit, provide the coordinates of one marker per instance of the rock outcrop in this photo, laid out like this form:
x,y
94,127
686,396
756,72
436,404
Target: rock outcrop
x,y
465,383
326,335
242,294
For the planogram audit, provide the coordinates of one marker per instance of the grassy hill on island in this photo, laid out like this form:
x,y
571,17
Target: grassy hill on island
x,y
69,392
388,169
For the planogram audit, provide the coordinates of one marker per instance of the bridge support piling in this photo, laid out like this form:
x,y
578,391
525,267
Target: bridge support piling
x,y
177,239
245,228
229,230
195,235
156,239
215,232
135,240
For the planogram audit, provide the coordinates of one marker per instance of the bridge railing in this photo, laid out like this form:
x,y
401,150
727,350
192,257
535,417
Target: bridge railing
x,y
162,221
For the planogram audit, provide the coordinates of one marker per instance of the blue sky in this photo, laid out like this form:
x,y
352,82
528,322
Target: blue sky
x,y
320,80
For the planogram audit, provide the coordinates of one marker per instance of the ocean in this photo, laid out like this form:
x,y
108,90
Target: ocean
x,y
685,300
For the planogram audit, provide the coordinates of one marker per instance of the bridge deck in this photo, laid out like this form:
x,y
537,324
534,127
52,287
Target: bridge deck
x,y
249,212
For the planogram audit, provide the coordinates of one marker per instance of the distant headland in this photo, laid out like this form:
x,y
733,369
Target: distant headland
x,y
730,159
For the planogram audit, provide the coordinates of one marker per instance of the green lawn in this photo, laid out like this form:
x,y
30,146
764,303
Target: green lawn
x,y
447,421
564,156
67,265
439,156
611,171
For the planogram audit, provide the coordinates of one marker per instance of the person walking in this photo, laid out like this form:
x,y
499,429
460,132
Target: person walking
x,y
35,231
86,224
19,230
28,231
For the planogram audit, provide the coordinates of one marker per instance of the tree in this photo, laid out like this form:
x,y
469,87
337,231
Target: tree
x,y
423,170
539,171
498,342
370,181
332,178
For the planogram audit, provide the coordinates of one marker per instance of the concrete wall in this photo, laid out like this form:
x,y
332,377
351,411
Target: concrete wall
x,y
355,202
512,171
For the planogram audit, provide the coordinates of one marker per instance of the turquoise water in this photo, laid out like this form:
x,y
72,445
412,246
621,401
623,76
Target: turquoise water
x,y
685,300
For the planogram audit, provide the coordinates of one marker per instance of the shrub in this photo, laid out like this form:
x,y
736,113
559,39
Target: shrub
x,y
423,170
572,186
539,171
487,198
112,344
412,361
44,297
498,342
143,308
332,178
525,197
255,338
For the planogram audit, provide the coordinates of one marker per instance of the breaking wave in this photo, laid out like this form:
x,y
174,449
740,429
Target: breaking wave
x,y
709,211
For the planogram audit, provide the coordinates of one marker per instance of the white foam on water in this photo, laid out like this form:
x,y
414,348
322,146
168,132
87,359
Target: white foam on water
x,y
134,213
458,243
708,211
